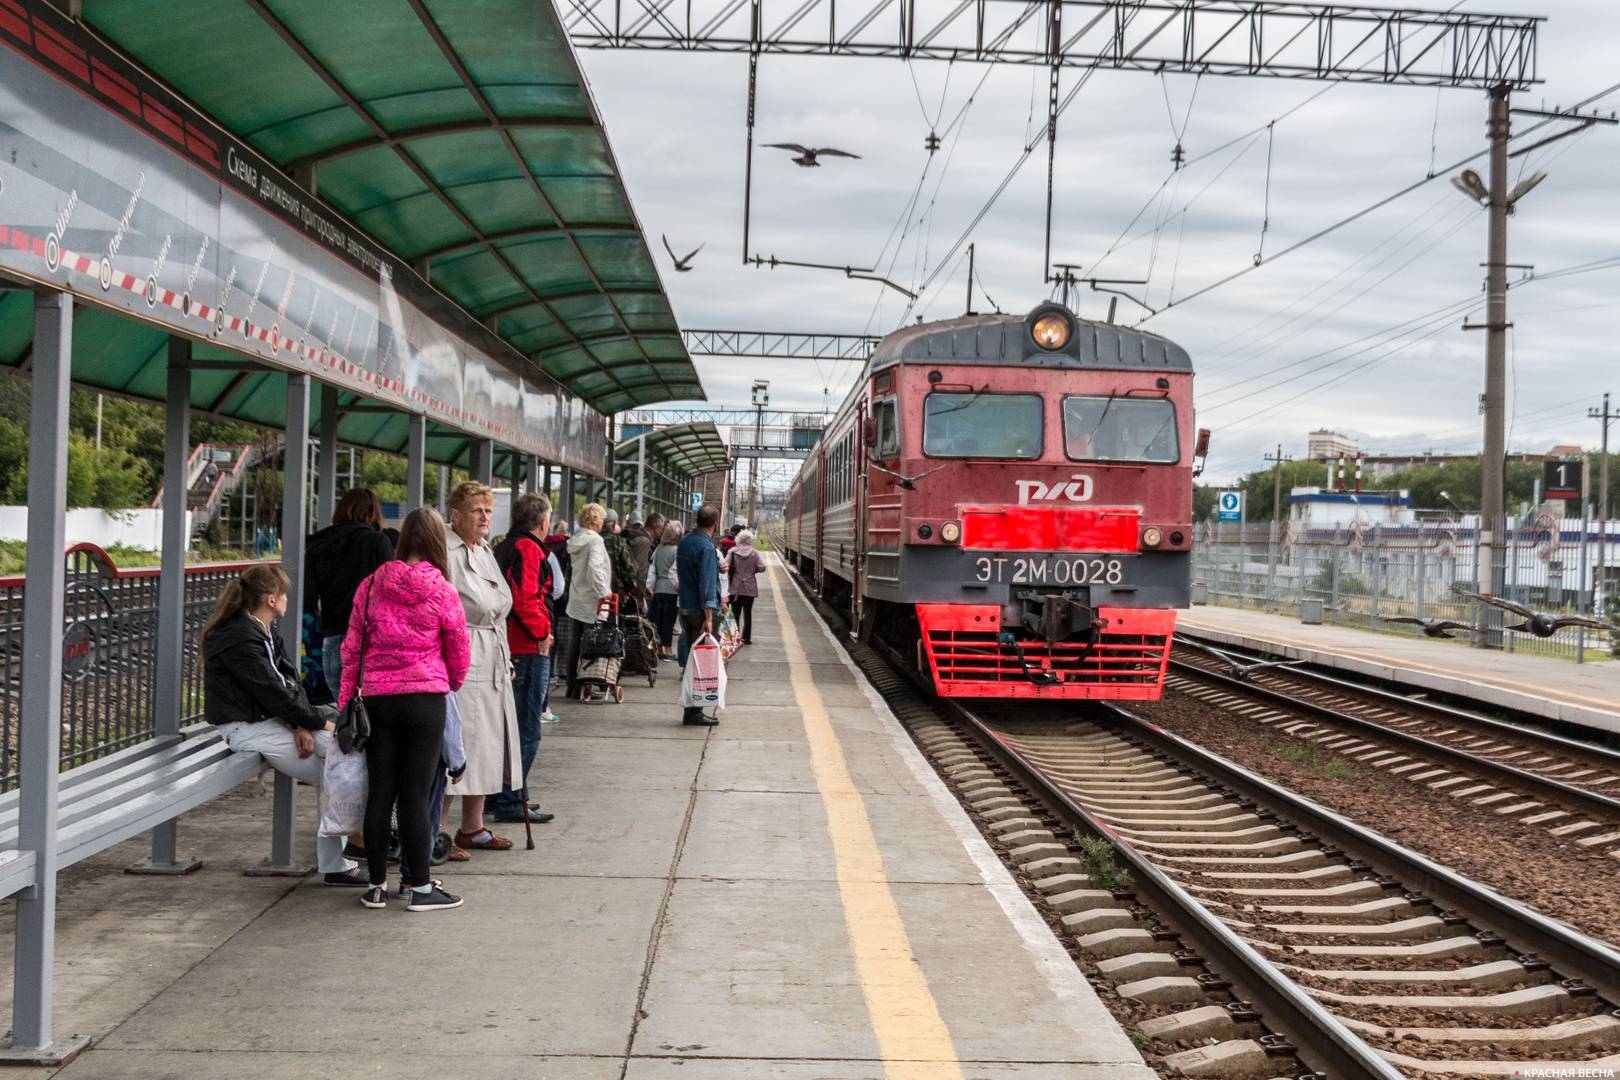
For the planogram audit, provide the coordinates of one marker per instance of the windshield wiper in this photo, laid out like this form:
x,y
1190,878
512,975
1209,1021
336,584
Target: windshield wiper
x,y
977,394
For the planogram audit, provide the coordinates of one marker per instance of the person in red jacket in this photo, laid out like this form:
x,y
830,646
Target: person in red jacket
x,y
523,560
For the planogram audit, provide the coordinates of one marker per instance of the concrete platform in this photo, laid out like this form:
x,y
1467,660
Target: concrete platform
x,y
791,895
1586,694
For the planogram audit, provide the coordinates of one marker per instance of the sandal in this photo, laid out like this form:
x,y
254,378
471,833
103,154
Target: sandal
x,y
459,854
482,840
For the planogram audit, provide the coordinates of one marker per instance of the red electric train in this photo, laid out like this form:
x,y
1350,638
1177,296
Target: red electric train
x,y
1009,501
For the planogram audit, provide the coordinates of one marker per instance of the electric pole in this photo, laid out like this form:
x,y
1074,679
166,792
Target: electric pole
x,y
1276,522
1493,467
1599,593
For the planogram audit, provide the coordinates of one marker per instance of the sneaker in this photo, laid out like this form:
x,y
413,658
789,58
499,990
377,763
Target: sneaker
x,y
404,892
375,897
434,899
549,717
353,879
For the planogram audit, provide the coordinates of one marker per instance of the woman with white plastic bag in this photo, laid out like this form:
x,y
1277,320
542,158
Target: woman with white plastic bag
x,y
405,650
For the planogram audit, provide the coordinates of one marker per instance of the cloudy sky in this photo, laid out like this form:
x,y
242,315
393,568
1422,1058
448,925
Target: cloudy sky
x,y
1359,331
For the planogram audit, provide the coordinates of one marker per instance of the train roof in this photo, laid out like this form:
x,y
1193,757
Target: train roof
x,y
1005,339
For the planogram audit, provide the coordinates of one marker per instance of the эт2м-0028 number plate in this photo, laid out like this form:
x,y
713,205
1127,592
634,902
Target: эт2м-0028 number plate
x,y
1044,570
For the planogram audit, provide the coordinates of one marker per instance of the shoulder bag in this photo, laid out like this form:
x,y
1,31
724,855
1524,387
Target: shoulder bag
x,y
354,726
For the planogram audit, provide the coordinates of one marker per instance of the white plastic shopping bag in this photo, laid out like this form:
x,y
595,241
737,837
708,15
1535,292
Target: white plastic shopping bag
x,y
343,793
703,684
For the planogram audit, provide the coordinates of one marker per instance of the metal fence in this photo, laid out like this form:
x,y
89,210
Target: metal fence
x,y
109,654
1364,576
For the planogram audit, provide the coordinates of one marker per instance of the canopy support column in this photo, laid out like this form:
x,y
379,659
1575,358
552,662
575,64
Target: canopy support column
x,y
641,473
40,727
416,462
480,460
531,475
565,496
169,675
294,527
326,478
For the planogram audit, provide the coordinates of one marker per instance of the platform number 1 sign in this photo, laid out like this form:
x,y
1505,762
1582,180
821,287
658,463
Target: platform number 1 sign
x,y
1229,506
1561,479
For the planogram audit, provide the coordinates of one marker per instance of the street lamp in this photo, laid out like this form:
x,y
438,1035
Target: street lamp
x,y
761,398
1447,496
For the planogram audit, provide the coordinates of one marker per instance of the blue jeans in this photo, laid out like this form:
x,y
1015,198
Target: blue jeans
x,y
532,677
332,663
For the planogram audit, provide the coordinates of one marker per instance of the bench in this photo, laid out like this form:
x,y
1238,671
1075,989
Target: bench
x,y
125,794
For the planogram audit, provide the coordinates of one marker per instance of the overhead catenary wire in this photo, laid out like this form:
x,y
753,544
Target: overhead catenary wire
x,y
1359,214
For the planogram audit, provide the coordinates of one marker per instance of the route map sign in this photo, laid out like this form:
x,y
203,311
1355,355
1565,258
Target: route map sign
x,y
1229,506
117,190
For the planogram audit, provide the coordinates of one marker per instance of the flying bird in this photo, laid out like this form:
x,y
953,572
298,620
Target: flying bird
x,y
1435,628
1538,623
1236,667
807,155
682,264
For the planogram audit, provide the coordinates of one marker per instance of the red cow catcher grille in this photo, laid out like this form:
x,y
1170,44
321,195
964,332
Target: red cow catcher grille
x,y
1128,661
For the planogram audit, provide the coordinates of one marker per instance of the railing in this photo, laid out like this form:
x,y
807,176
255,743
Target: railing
x,y
109,647
1366,575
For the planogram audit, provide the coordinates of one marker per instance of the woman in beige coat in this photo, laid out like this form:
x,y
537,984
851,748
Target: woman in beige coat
x,y
488,711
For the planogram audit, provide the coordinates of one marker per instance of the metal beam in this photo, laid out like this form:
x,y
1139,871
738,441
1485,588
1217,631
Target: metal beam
x,y
431,131
415,462
527,232
779,344
40,726
1270,38
294,522
168,677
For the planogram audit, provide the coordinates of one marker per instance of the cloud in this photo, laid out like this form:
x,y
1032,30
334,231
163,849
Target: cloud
x,y
677,125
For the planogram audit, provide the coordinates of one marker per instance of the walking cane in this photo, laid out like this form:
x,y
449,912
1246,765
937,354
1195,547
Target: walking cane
x,y
528,827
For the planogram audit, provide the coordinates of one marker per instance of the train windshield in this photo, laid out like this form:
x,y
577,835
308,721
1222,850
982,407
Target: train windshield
x,y
1120,429
980,424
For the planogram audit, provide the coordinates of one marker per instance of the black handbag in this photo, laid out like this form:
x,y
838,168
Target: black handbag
x,y
354,726
601,639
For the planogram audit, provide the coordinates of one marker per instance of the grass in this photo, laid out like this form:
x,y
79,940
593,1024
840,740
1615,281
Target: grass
x,y
1097,855
1140,1040
1308,753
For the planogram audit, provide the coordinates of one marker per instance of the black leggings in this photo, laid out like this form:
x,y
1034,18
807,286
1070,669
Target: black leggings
x,y
407,739
743,608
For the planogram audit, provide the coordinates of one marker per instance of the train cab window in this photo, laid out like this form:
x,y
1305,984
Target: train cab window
x,y
888,429
1120,429
982,425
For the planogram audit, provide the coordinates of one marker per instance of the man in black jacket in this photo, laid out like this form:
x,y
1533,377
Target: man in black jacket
x,y
340,557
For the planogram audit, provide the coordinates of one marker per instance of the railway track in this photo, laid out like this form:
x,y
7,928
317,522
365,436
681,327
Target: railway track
x,y
1568,787
1245,931
1368,958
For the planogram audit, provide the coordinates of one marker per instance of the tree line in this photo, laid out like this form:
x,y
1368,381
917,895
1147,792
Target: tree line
x,y
1460,479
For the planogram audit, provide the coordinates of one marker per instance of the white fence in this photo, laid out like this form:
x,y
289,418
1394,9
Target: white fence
x,y
133,528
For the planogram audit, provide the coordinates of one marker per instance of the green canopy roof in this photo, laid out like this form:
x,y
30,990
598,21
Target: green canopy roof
x,y
461,136
688,449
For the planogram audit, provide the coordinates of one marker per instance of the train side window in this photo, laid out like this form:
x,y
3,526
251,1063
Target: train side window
x,y
888,429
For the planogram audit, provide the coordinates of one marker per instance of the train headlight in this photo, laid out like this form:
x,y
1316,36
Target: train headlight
x,y
1051,331
950,532
1152,537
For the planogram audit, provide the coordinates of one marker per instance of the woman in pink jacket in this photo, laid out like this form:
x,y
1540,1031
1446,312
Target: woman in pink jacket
x,y
408,635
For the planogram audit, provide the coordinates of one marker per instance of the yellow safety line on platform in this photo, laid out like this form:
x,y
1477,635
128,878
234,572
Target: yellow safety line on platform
x,y
912,1038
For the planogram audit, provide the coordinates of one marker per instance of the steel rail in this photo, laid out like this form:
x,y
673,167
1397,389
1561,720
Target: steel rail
x,y
1317,1035
1572,953
1589,802
1548,740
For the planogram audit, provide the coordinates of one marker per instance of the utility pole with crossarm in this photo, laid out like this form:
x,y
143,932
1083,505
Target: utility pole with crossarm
x,y
1600,595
